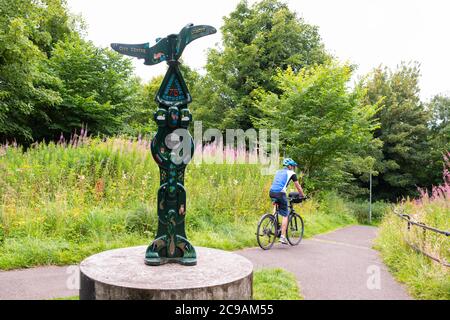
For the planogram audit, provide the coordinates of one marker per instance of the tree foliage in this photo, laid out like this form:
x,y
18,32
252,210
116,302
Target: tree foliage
x,y
28,31
97,88
257,40
439,136
439,108
322,124
52,81
404,130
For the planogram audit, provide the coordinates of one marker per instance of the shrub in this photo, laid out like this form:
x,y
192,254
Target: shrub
x,y
360,210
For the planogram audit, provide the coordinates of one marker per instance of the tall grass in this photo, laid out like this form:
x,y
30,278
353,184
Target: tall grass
x,y
425,278
62,202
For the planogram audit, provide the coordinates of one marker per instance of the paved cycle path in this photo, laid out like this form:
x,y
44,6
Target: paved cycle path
x,y
336,265
39,283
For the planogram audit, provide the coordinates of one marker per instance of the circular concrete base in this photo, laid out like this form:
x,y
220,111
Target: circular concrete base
x,y
122,275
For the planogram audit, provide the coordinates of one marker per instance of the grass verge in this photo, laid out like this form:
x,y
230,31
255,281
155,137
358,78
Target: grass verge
x,y
275,284
424,278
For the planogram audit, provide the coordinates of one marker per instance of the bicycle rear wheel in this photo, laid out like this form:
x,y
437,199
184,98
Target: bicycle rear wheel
x,y
295,228
266,231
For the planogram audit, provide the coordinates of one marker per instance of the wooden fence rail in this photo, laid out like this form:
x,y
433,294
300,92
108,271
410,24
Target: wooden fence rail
x,y
410,222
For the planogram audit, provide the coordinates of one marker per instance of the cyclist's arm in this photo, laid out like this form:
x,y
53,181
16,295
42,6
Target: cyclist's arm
x,y
297,185
299,188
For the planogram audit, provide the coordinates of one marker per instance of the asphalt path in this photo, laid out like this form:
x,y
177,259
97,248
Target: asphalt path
x,y
338,265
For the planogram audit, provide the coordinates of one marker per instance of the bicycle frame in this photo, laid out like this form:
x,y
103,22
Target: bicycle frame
x,y
290,207
277,214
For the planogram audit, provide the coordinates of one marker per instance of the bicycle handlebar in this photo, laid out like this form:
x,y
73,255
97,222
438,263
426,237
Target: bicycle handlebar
x,y
295,198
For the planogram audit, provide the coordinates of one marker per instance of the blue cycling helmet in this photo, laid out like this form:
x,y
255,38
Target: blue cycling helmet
x,y
289,162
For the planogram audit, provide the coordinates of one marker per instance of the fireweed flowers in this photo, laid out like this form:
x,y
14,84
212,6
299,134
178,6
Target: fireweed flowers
x,y
433,209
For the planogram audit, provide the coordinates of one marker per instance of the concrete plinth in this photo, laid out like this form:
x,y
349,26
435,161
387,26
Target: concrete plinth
x,y
122,275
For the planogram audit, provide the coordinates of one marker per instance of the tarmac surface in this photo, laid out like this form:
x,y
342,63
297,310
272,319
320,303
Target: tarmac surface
x,y
338,265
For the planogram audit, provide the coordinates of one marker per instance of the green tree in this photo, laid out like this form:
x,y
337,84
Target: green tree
x,y
28,32
142,118
439,107
439,138
322,124
52,81
257,40
46,21
403,130
98,89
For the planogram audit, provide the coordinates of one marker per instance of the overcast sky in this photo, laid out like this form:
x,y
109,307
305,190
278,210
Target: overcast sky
x,y
365,32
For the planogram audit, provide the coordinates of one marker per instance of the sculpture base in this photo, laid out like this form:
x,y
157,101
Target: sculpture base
x,y
161,261
121,274
153,258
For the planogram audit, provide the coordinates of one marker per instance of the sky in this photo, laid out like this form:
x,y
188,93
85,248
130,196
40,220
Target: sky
x,y
363,32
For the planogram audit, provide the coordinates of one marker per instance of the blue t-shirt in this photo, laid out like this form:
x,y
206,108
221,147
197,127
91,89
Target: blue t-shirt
x,y
282,179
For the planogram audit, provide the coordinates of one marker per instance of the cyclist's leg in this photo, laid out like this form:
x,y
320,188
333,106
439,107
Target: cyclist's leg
x,y
283,209
274,196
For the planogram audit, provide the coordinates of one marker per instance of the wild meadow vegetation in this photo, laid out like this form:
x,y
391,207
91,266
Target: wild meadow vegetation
x,y
425,278
62,202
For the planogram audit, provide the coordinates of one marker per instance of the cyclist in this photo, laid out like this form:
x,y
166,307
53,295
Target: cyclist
x,y
278,192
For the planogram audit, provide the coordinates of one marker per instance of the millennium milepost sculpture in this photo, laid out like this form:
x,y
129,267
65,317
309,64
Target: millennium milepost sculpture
x,y
171,244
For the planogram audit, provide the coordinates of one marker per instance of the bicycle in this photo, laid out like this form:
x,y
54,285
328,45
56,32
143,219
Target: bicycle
x,y
269,227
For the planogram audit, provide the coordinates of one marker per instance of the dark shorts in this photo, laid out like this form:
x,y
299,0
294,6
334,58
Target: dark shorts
x,y
281,199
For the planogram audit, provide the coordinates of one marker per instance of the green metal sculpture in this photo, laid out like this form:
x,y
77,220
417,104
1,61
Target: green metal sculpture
x,y
171,244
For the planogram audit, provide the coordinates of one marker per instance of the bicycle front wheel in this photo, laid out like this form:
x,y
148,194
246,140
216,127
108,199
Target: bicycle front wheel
x,y
295,228
266,231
